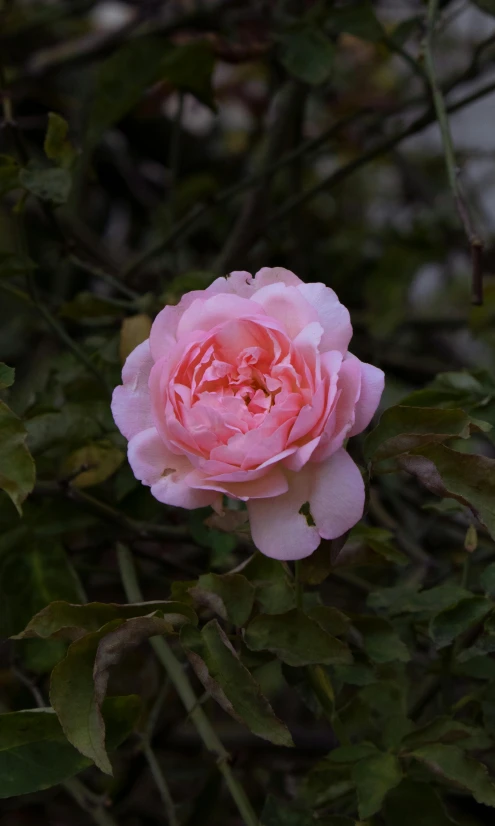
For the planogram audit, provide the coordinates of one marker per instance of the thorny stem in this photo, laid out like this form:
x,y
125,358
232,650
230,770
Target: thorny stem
x,y
185,691
475,241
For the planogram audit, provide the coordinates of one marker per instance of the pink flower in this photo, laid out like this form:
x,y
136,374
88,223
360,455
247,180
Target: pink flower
x,y
247,389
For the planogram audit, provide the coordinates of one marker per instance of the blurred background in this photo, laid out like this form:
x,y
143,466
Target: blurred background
x,y
148,147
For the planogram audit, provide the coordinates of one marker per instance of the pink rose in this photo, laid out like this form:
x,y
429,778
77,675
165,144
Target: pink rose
x,y
247,389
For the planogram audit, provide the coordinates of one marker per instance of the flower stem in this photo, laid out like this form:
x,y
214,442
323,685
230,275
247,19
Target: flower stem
x,y
185,691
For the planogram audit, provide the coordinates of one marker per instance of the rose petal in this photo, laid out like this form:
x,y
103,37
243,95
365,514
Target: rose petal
x,y
372,384
275,275
286,305
271,484
164,472
337,494
332,315
277,527
341,420
131,404
206,314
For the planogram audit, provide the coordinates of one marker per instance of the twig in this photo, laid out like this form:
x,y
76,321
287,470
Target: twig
x,y
110,279
475,242
111,514
61,332
184,689
371,154
84,798
251,216
161,784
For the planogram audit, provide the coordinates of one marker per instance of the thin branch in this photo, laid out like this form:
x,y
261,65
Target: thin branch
x,y
61,332
371,154
184,689
161,784
146,530
110,279
251,217
475,241
87,803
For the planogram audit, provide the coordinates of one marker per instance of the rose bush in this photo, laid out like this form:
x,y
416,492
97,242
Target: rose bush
x,y
247,389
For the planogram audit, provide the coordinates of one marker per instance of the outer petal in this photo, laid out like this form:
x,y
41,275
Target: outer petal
x,y
206,314
337,495
286,305
271,484
131,405
342,417
277,527
372,384
164,472
333,316
275,275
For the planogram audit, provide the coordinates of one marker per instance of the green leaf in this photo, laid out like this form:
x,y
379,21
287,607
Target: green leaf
x,y
33,573
189,67
378,540
219,668
57,146
17,470
402,429
487,579
7,376
51,184
295,639
407,600
452,764
9,174
449,624
121,81
351,754
35,755
67,621
380,640
92,464
374,777
280,813
78,683
68,426
231,596
332,620
127,73
463,476
308,55
274,589
359,21
412,803
314,569
446,730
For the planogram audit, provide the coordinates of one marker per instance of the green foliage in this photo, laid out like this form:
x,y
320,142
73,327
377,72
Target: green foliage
x,y
374,777
307,54
7,376
50,184
34,754
17,470
217,665
296,639
79,682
